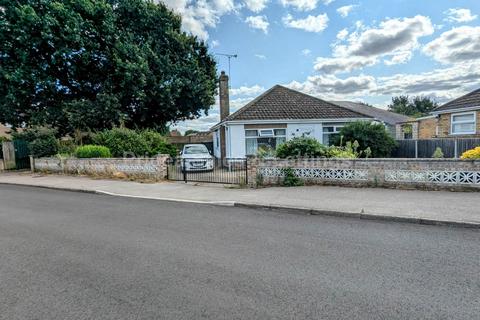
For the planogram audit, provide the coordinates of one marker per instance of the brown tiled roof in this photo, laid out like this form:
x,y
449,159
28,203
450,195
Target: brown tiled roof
x,y
471,99
281,103
386,116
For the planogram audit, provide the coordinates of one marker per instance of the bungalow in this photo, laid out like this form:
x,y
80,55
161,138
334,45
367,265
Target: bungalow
x,y
277,115
459,118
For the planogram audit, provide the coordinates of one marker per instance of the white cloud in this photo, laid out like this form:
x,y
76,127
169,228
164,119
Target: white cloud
x,y
342,34
258,22
256,5
302,5
332,88
345,10
260,56
394,40
247,91
459,15
310,23
444,83
399,57
199,15
215,43
456,45
306,52
342,64
391,36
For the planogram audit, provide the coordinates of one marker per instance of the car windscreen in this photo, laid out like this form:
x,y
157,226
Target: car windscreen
x,y
196,150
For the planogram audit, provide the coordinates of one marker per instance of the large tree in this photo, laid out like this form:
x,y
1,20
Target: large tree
x,y
415,107
94,64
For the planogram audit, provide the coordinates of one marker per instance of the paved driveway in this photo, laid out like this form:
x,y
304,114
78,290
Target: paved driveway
x,y
67,255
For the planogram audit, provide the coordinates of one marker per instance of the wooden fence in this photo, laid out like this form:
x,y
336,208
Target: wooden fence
x,y
451,148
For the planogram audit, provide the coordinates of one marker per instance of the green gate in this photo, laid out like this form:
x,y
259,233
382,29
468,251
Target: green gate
x,y
22,156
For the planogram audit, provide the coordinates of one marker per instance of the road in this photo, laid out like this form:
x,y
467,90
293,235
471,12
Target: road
x,y
67,255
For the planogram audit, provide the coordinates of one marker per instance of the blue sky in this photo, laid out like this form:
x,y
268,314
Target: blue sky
x,y
339,49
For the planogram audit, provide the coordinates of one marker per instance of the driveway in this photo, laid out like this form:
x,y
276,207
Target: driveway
x,y
68,255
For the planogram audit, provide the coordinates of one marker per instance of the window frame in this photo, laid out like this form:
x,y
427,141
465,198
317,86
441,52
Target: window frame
x,y
336,130
452,122
259,136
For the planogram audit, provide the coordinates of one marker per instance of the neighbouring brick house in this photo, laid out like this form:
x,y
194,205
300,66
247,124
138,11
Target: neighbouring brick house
x,y
459,118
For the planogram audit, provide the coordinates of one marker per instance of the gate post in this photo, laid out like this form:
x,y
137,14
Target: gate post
x,y
252,163
32,164
184,170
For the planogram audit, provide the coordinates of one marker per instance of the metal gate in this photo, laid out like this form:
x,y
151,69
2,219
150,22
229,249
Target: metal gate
x,y
226,171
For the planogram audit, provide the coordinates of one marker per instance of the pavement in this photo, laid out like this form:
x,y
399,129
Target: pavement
x,y
71,255
425,207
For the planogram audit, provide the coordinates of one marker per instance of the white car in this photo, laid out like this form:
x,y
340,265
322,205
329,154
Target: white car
x,y
196,157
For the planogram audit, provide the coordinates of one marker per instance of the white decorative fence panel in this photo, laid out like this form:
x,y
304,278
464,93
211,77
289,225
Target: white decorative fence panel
x,y
318,173
428,176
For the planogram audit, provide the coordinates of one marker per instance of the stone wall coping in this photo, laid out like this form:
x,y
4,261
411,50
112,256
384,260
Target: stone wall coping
x,y
375,160
102,159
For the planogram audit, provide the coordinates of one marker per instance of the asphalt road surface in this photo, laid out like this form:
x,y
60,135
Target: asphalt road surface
x,y
67,255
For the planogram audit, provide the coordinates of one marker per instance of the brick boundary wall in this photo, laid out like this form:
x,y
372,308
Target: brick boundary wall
x,y
147,168
427,174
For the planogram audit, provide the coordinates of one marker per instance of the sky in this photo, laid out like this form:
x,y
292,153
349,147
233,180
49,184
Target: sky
x,y
365,50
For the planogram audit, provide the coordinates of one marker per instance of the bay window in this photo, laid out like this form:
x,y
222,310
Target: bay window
x,y
263,139
463,123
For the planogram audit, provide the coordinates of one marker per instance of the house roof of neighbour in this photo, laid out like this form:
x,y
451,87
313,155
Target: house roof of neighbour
x,y
469,100
281,103
386,116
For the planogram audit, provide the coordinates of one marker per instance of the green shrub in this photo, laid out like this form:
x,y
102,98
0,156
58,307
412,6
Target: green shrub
x,y
368,135
290,179
122,142
301,147
41,141
126,142
92,151
157,144
438,153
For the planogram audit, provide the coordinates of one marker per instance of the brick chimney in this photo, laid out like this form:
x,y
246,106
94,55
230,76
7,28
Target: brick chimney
x,y
224,96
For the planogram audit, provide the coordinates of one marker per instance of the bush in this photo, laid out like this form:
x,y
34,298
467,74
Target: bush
x,y
123,142
41,141
340,152
438,153
471,154
157,144
92,151
290,179
67,147
368,135
301,147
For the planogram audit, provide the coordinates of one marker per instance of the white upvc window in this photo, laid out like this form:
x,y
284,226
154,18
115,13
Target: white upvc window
x,y
329,132
266,140
463,123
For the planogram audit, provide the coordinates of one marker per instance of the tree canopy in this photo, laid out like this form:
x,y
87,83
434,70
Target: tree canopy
x,y
415,107
95,64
